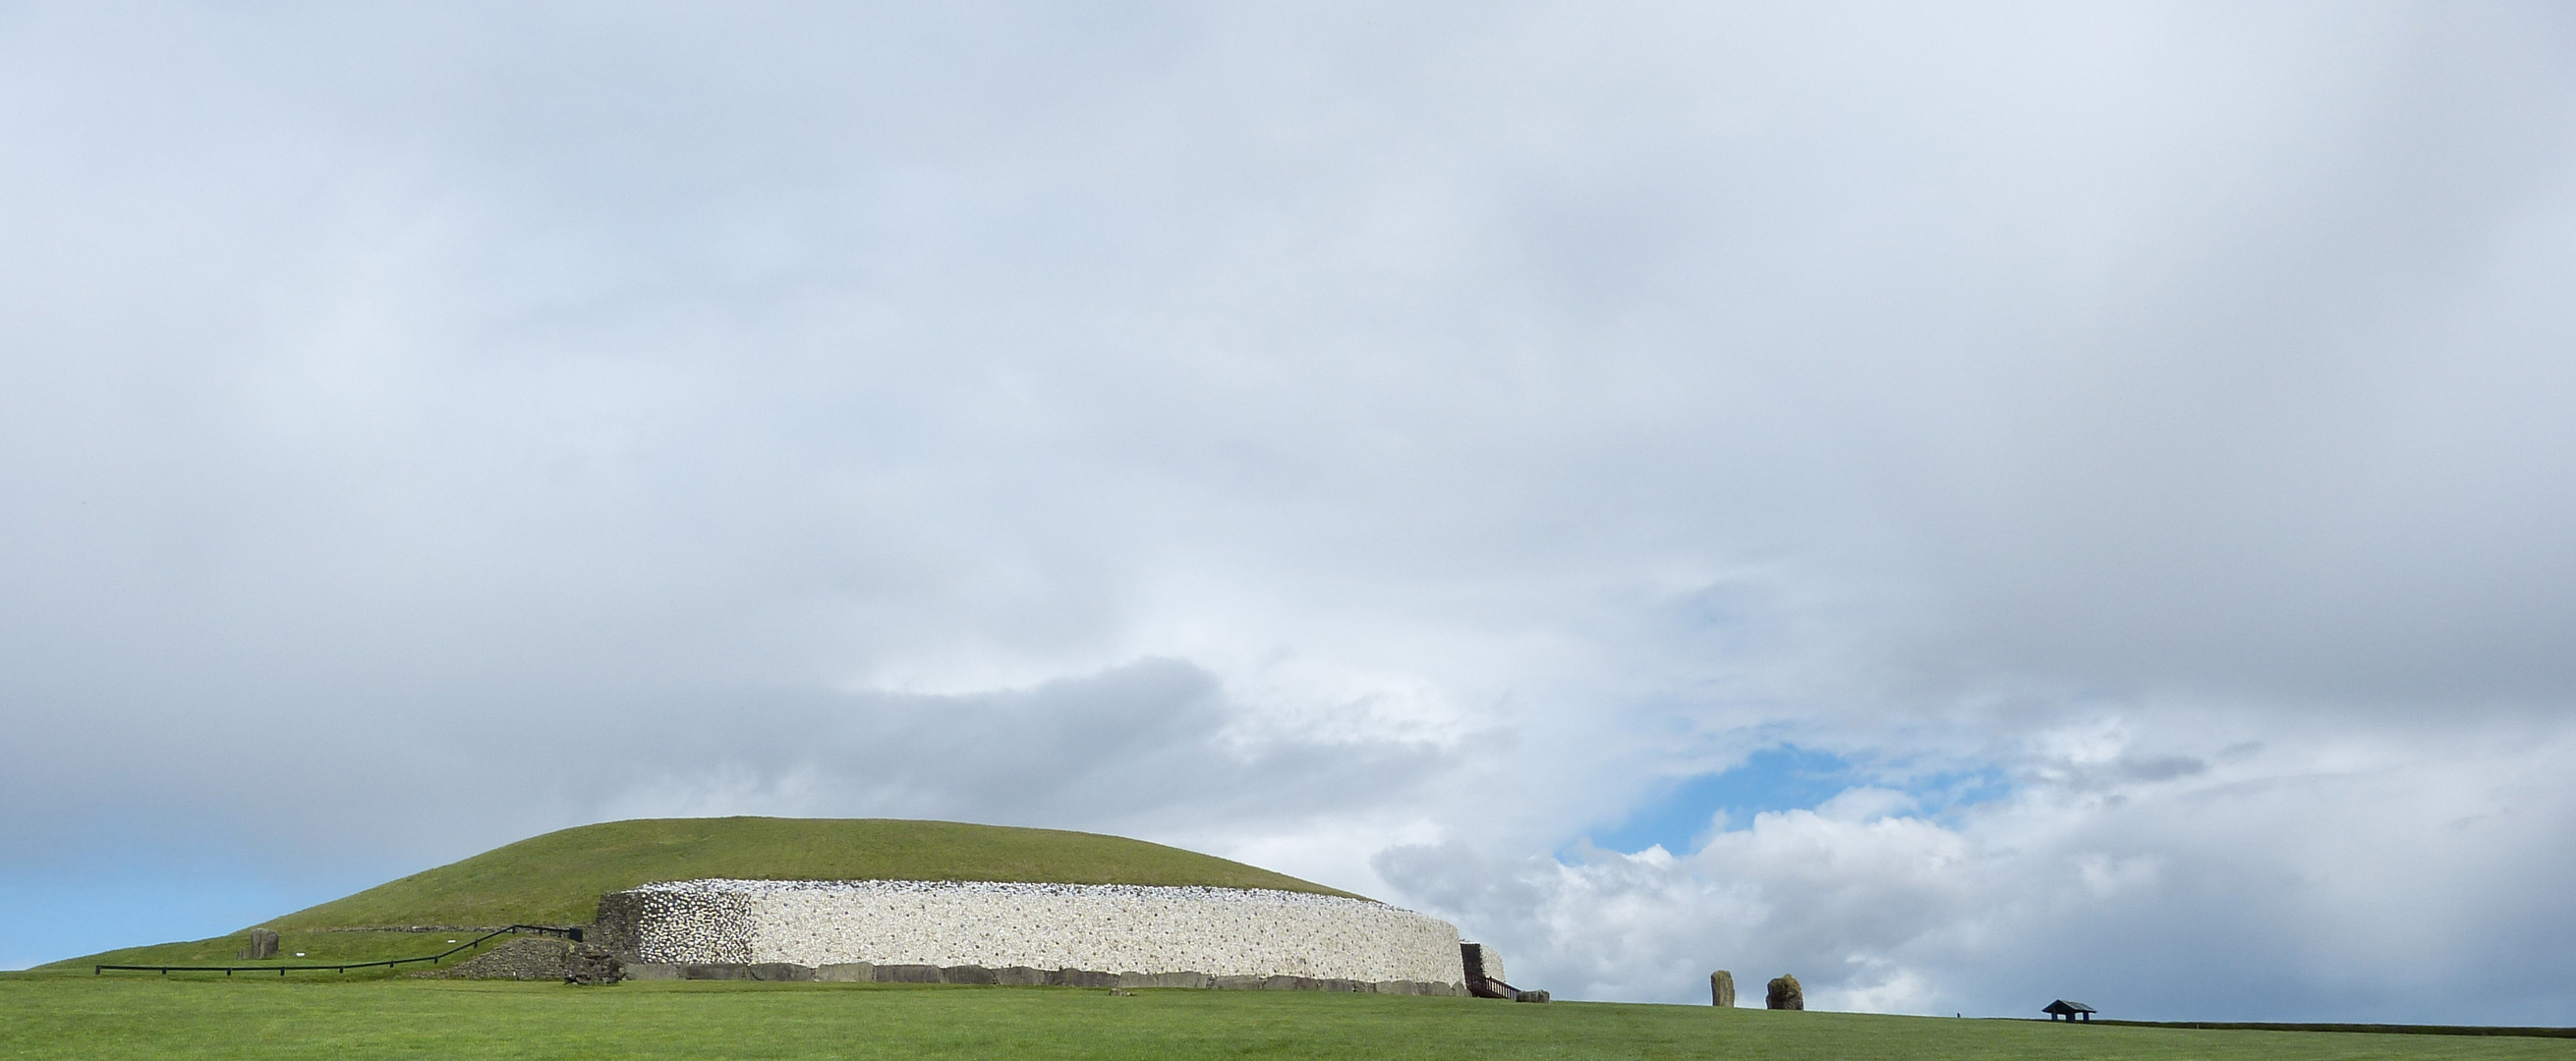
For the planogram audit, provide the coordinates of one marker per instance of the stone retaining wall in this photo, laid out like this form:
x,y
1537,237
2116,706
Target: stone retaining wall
x,y
527,958
1219,934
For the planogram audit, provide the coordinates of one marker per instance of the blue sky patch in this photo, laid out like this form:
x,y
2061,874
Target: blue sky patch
x,y
1781,778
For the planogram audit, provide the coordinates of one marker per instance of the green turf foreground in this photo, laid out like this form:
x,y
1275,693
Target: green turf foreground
x,y
58,1016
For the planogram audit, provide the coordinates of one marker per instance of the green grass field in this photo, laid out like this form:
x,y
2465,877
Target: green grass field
x,y
107,1018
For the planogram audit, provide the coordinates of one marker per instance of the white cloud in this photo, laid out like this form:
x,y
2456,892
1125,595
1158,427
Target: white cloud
x,y
2346,878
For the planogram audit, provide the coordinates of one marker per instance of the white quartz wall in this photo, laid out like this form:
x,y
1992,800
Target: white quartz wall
x,y
1110,928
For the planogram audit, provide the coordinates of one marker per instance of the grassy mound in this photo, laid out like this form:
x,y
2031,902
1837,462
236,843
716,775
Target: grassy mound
x,y
556,879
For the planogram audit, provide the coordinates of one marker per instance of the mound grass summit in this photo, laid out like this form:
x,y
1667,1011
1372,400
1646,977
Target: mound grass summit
x,y
558,878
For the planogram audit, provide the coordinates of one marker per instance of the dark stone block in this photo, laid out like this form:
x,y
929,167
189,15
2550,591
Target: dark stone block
x,y
1721,989
714,971
1239,983
966,974
1082,978
781,972
1198,980
909,974
1020,976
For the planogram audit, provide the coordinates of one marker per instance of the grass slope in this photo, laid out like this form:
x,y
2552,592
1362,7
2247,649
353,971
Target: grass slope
x,y
113,1019
318,947
557,878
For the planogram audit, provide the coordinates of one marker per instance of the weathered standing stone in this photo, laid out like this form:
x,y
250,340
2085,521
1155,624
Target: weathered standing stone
x,y
263,944
1785,994
592,965
1721,989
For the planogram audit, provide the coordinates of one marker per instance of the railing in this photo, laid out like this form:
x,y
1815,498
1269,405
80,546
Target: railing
x,y
573,934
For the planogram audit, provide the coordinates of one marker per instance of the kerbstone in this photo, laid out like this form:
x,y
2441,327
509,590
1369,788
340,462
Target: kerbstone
x,y
781,972
967,974
907,974
1199,980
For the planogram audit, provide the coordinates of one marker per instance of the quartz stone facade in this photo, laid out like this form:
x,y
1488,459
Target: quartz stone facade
x,y
1213,932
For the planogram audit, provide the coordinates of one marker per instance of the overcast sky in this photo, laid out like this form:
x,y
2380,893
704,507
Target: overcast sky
x,y
1967,504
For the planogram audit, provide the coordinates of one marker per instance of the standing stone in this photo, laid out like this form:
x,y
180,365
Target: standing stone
x,y
1721,989
1785,994
263,944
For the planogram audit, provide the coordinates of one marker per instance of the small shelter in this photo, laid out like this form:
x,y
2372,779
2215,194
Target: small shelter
x,y
2065,1010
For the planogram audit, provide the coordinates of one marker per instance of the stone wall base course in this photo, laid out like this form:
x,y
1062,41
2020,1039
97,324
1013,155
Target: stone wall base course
x,y
1021,976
